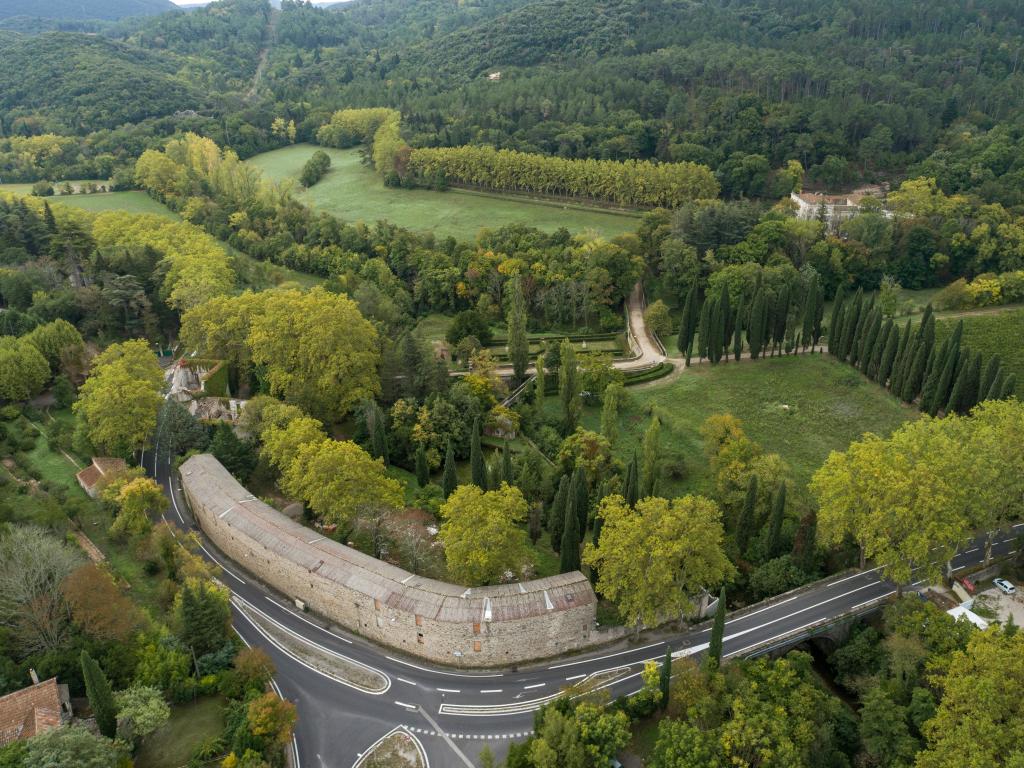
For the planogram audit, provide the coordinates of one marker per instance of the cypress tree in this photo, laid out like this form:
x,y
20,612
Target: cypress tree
x,y
478,471
506,464
850,319
755,329
1009,387
868,339
835,320
727,316
631,484
688,324
888,355
572,531
737,331
449,481
932,374
995,391
101,698
904,352
781,317
857,342
819,313
717,632
539,385
748,515
715,330
568,387
964,395
939,396
804,542
422,471
878,349
377,427
704,329
581,497
991,369
518,343
923,347
51,222
774,542
556,513
807,316
665,678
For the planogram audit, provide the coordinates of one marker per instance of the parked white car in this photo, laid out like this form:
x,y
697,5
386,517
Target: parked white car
x,y
1004,586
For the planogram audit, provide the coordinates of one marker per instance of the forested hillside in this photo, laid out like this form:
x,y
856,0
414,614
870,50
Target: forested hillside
x,y
76,9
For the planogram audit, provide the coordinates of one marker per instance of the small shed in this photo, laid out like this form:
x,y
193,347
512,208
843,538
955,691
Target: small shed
x,y
101,471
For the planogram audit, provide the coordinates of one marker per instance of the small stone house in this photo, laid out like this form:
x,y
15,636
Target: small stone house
x,y
41,707
101,470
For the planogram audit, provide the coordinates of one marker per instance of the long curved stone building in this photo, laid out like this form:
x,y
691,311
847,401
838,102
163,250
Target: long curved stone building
x,y
447,623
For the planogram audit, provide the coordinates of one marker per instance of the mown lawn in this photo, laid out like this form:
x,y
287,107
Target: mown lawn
x,y
354,192
130,202
801,407
190,725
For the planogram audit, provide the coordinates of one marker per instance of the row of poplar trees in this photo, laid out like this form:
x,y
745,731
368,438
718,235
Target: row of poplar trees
x,y
947,377
767,322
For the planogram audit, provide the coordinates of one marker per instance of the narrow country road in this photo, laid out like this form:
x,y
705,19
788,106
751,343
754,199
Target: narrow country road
x,y
455,713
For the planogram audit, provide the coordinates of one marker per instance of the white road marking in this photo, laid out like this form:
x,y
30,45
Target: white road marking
x,y
403,680
602,658
576,677
491,690
435,671
535,685
449,690
221,565
407,706
302,618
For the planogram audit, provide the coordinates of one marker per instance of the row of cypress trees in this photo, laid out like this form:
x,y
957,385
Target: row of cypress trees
x,y
767,322
484,476
948,377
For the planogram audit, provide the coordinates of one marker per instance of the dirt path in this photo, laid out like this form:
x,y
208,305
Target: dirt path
x,y
261,67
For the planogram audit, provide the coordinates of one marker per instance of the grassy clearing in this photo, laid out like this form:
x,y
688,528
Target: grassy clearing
x,y
190,725
130,202
829,406
354,192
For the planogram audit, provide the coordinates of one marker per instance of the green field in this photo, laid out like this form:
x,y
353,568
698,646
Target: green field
x,y
829,406
995,332
130,202
190,725
354,192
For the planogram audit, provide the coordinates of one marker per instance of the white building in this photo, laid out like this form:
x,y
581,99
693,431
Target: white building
x,y
832,209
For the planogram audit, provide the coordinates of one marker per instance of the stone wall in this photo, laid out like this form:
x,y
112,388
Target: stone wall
x,y
479,627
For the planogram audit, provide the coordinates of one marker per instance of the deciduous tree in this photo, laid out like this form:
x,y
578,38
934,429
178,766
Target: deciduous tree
x,y
481,533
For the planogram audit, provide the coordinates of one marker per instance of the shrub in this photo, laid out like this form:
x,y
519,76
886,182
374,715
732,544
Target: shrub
x,y
985,291
953,296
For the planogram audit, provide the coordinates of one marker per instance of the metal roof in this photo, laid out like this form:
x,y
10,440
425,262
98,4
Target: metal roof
x,y
210,483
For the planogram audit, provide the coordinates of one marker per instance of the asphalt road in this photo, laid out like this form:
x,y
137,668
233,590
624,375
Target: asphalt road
x,y
455,714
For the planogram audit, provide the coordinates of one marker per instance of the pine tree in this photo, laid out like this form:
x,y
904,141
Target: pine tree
x,y
835,320
737,331
748,516
717,632
478,471
449,480
631,483
539,383
101,698
556,513
704,329
991,369
755,329
665,677
571,533
774,542
518,344
422,470
892,341
688,324
506,464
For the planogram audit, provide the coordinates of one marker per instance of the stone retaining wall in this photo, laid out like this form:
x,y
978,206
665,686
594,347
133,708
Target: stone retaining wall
x,y
479,627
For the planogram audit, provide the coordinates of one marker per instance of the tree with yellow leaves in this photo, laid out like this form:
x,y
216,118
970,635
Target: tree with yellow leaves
x,y
652,562
481,533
